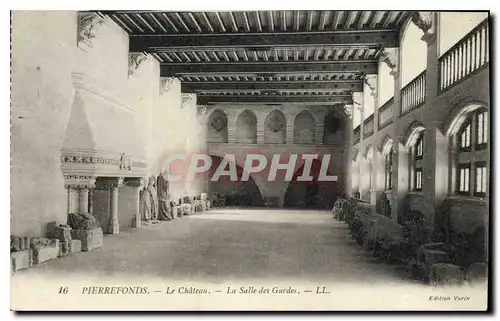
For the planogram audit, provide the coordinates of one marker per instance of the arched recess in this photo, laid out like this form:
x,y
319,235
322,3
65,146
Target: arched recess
x,y
303,129
413,132
217,127
246,128
413,53
459,115
311,194
275,128
385,145
237,193
334,128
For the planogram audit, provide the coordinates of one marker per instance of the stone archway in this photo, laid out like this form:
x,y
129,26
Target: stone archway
x,y
313,194
237,193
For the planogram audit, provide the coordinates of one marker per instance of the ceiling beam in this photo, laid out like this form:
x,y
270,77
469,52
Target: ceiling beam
x,y
370,38
354,85
263,99
355,66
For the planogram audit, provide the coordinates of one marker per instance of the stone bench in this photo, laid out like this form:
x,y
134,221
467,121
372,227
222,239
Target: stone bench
x,y
90,239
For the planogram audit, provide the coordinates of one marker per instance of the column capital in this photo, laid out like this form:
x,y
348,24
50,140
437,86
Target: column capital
x,y
371,82
88,26
166,84
136,182
136,59
110,183
79,182
390,57
425,21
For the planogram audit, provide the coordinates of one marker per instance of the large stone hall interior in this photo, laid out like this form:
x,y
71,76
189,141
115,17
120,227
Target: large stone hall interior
x,y
399,100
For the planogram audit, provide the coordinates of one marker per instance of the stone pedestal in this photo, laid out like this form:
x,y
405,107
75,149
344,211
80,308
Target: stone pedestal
x,y
76,246
21,260
46,252
64,249
91,239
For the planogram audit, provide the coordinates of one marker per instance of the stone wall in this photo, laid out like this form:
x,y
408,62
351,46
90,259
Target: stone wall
x,y
111,108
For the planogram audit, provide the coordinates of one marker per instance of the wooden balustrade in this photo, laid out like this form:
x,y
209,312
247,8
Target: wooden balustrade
x,y
368,126
413,94
466,56
386,114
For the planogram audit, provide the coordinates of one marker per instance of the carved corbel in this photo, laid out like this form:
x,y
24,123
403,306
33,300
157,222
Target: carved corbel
x,y
371,82
348,110
201,110
425,21
389,56
166,84
187,99
136,59
88,25
357,100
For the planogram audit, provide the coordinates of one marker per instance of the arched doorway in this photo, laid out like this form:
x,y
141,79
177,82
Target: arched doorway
x,y
311,194
236,193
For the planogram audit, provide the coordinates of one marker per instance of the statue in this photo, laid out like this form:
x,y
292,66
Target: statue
x,y
164,208
150,201
82,221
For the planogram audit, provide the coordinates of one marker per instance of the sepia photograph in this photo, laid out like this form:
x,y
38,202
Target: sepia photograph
x,y
250,160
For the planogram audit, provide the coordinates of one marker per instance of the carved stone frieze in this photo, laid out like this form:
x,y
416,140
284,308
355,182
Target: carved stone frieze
x,y
136,59
166,84
77,181
424,20
88,26
390,57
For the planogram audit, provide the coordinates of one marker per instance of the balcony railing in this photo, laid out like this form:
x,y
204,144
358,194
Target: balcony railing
x,y
386,114
468,55
368,127
356,135
413,94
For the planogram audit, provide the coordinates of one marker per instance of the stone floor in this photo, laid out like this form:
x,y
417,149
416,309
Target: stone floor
x,y
233,244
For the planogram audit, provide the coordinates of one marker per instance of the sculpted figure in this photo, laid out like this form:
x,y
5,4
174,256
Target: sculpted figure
x,y
150,201
164,208
82,221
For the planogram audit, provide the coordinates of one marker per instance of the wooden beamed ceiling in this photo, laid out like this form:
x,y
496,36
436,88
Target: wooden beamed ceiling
x,y
265,56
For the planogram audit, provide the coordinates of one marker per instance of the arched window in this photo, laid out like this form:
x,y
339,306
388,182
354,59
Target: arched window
x,y
217,127
471,140
417,155
388,152
275,128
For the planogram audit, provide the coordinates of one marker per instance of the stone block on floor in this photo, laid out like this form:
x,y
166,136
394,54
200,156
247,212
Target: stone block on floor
x,y
44,250
91,239
76,246
21,259
445,274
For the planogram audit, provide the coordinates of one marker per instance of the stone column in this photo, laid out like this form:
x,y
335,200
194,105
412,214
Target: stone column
x,y
231,126
260,127
348,150
78,192
137,184
114,227
290,121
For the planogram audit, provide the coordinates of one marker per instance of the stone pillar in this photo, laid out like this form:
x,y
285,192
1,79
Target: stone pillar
x,y
348,150
231,126
260,127
137,184
290,121
114,227
319,128
83,200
